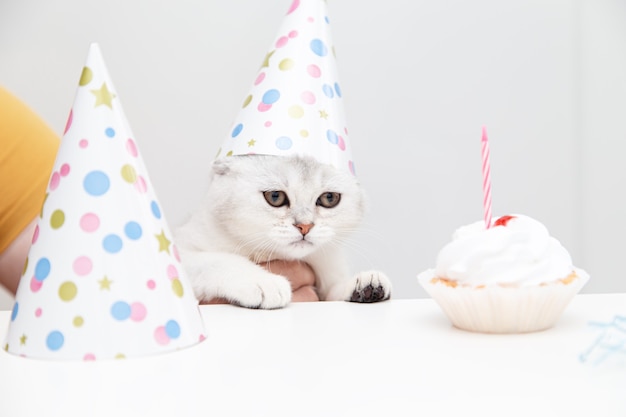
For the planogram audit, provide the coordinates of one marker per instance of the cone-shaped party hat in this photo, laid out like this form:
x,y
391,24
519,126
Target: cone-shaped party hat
x,y
103,278
295,105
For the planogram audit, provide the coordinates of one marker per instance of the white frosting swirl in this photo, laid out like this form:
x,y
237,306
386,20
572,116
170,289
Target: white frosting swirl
x,y
520,252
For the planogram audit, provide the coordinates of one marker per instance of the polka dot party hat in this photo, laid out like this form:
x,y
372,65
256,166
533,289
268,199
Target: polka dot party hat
x,y
295,105
103,278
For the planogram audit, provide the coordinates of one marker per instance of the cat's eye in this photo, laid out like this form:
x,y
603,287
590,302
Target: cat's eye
x,y
276,198
328,199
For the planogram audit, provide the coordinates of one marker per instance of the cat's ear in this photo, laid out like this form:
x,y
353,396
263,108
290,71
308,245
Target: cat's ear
x,y
221,166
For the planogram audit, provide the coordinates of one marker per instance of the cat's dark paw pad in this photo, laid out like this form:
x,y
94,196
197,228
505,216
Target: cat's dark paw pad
x,y
369,294
370,287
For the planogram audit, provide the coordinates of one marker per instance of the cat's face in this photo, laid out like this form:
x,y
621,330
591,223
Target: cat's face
x,y
275,207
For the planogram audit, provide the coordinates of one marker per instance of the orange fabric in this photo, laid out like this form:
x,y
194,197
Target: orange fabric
x,y
28,148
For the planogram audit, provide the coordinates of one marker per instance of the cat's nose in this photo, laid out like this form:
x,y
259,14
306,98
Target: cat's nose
x,y
304,228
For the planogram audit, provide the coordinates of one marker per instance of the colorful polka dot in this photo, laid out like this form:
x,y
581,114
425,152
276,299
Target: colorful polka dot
x,y
337,89
160,335
15,310
133,230
151,284
89,357
237,130
259,80
318,47
341,143
57,219
42,269
110,132
78,321
282,41
296,112
156,211
293,34
172,272
55,179
35,235
177,287
294,6
304,133
131,148
55,340
38,312
284,143
85,77
90,222
332,137
96,183
82,265
129,174
172,329
141,185
271,96
120,310
112,243
35,285
307,97
314,71
138,312
286,64
246,101
68,124
328,91
83,143
67,291
262,107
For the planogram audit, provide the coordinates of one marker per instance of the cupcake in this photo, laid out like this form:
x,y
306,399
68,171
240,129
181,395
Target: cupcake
x,y
511,278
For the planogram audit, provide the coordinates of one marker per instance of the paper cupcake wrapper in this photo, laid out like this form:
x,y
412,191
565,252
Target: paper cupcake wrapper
x,y
497,309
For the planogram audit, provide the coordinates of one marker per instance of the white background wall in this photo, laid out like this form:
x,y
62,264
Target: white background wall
x,y
420,78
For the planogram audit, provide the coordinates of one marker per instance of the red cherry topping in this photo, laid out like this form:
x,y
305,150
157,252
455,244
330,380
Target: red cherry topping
x,y
502,221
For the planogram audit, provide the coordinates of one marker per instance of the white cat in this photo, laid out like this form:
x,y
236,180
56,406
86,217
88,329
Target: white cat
x,y
260,208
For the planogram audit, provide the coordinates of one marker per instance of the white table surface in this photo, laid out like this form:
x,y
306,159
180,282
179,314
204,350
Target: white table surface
x,y
396,358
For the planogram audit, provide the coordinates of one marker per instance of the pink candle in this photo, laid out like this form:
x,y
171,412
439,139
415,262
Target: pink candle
x,y
486,178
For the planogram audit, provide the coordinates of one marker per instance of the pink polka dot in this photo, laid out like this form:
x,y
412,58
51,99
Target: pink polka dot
x,y
151,284
293,6
131,148
282,41
202,338
345,129
54,180
307,97
69,122
82,265
35,235
160,335
314,71
141,185
310,19
137,312
38,312
89,222
172,272
267,124
341,143
293,34
351,167
89,357
264,107
259,78
176,255
83,143
35,285
65,169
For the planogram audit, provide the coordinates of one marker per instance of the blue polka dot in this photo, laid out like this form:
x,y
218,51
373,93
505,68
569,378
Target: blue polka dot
x,y
110,132
237,130
96,183
112,243
328,91
338,89
332,137
120,310
133,230
172,329
326,19
271,96
16,307
318,47
42,269
156,211
284,143
55,340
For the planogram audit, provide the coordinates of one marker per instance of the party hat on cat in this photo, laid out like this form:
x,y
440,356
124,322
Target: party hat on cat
x,y
295,105
103,278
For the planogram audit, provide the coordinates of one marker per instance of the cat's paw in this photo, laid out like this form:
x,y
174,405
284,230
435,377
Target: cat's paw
x,y
370,287
266,291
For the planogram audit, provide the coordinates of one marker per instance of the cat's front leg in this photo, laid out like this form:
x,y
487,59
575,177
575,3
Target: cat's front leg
x,y
334,282
235,278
